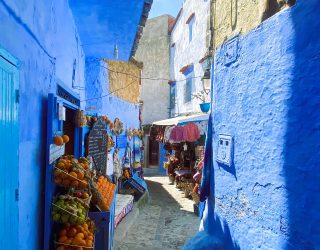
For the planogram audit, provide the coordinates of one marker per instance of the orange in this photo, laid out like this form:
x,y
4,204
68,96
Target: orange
x,y
79,236
74,174
58,140
74,184
76,241
60,165
63,232
62,239
89,243
65,138
90,238
60,248
72,232
80,175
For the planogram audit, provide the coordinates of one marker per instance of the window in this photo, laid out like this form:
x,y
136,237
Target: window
x,y
188,90
172,98
190,23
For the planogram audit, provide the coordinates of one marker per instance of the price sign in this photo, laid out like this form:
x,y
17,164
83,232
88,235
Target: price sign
x,y
97,145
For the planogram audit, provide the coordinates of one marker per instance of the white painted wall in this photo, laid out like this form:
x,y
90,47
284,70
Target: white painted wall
x,y
189,52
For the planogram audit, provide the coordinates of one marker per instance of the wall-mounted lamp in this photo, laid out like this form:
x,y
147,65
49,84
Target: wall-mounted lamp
x,y
207,73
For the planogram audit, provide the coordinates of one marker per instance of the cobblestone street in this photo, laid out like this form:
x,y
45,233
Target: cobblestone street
x,y
167,222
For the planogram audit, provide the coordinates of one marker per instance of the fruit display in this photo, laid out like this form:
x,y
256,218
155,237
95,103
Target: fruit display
x,y
85,196
60,140
102,193
70,172
69,209
76,236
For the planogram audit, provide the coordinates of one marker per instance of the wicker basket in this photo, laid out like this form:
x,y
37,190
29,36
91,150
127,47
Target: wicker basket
x,y
80,118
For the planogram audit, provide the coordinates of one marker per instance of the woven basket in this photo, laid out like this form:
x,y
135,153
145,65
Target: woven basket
x,y
80,118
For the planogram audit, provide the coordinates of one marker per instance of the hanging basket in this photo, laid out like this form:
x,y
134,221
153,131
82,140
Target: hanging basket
x,y
80,119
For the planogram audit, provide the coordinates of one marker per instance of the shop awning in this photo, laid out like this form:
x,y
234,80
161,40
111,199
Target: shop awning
x,y
183,119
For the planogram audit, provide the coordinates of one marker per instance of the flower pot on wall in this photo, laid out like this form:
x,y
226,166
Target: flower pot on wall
x,y
205,107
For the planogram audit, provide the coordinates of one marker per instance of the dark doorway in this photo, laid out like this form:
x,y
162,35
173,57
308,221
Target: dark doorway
x,y
153,153
69,129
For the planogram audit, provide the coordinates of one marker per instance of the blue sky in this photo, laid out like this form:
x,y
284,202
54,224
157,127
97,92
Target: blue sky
x,y
161,7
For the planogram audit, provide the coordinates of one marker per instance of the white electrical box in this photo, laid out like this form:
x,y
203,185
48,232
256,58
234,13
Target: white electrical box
x,y
225,150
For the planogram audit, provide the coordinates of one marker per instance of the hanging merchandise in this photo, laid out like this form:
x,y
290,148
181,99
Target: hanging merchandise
x,y
177,134
117,169
191,132
157,133
129,134
127,159
110,143
167,133
80,119
118,127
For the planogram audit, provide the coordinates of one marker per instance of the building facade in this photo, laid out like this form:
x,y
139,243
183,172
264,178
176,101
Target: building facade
x,y
48,47
265,90
188,48
153,52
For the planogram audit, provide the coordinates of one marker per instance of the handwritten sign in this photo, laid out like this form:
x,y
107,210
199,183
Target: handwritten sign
x,y
55,152
97,145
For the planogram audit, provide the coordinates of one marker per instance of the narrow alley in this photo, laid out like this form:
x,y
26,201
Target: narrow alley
x,y
167,222
160,124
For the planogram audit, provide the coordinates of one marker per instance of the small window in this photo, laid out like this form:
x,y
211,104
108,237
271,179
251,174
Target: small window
x,y
188,90
172,95
190,23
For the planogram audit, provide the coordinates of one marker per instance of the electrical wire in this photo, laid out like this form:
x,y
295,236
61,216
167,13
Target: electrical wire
x,y
134,76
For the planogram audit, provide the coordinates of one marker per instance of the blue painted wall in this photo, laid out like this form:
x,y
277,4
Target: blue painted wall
x,y
96,18
42,35
269,100
99,99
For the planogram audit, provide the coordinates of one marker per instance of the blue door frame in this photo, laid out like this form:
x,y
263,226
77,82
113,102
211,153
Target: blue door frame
x,y
53,125
9,160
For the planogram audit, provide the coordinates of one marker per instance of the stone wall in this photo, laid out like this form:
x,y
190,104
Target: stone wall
x,y
239,16
124,80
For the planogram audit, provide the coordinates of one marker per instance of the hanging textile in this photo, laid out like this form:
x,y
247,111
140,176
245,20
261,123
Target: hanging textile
x,y
177,134
208,164
191,132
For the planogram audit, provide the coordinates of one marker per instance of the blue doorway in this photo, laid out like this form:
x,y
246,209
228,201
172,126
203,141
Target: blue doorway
x,y
9,160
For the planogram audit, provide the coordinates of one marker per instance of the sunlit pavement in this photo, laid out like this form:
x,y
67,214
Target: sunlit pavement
x,y
167,222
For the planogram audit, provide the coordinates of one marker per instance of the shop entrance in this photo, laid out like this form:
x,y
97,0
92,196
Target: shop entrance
x,y
9,160
69,129
153,153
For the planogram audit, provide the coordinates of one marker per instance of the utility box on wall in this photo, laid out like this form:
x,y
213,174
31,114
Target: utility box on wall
x,y
225,149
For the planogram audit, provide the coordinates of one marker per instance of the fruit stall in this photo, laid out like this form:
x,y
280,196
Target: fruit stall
x,y
79,195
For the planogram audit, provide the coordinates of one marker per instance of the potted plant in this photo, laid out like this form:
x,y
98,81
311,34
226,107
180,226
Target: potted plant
x,y
204,97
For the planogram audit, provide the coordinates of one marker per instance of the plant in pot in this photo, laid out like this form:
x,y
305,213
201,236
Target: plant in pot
x,y
204,96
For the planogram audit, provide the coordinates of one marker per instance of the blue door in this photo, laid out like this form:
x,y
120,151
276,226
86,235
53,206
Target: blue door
x,y
9,159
